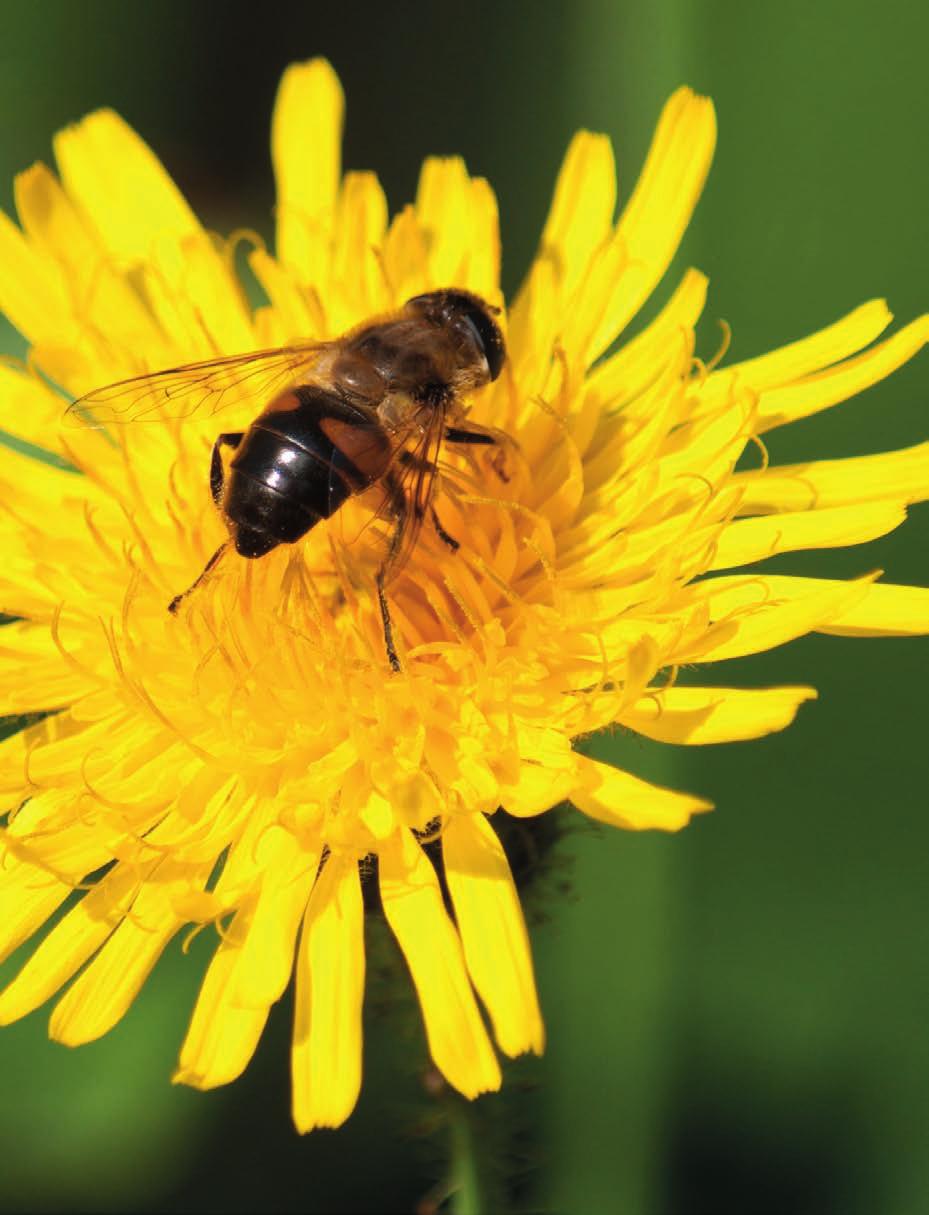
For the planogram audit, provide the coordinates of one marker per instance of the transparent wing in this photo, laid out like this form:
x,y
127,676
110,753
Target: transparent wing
x,y
197,388
413,477
392,510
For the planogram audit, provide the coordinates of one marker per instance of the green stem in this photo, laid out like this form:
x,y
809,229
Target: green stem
x,y
468,1194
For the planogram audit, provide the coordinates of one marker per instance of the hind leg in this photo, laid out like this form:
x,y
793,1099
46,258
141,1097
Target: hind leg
x,y
217,477
399,507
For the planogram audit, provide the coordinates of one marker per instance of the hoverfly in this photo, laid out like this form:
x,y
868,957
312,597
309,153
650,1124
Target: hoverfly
x,y
369,408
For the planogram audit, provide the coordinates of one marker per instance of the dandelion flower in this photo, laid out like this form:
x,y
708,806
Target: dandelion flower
x,y
250,761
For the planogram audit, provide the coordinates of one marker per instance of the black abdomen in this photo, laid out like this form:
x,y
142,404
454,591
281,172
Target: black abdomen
x,y
289,472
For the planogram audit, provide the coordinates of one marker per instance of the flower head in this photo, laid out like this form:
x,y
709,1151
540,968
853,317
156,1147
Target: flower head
x,y
236,763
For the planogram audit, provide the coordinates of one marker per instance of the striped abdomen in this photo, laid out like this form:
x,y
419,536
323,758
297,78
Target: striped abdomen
x,y
298,463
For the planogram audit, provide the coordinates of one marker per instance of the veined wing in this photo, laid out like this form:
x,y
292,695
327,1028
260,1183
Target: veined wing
x,y
197,389
396,504
414,472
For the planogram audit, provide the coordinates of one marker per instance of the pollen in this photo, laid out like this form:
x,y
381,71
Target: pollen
x,y
240,765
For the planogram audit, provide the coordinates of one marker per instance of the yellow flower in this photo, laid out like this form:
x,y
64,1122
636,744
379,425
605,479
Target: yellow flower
x,y
235,763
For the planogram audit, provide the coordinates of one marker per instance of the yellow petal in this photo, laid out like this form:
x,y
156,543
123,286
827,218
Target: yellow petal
x,y
35,675
697,716
612,796
326,1053
71,942
902,475
223,1035
623,377
539,788
883,610
306,142
748,540
413,906
28,896
581,214
97,289
268,951
757,613
103,993
32,291
493,932
801,358
484,263
122,188
659,209
778,406
291,305
29,409
443,209
357,265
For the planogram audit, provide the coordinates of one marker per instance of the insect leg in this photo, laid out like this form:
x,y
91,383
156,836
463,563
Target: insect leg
x,y
454,434
484,438
408,459
179,599
232,439
398,504
443,535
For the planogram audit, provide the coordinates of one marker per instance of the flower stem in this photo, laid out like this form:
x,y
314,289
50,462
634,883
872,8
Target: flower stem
x,y
469,1194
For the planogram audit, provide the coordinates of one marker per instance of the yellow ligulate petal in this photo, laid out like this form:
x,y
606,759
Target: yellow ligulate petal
x,y
493,932
443,210
802,358
798,400
623,377
412,902
28,896
539,789
484,267
406,257
223,1035
32,291
29,409
103,993
306,138
360,228
659,209
612,796
213,294
757,613
883,610
71,942
326,1053
97,290
748,540
35,676
122,188
697,716
268,952
581,214
588,326
903,475
292,308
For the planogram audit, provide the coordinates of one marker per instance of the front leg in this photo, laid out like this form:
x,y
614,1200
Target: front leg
x,y
484,437
475,438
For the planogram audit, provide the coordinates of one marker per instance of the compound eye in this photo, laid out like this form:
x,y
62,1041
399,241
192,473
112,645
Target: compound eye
x,y
488,337
450,307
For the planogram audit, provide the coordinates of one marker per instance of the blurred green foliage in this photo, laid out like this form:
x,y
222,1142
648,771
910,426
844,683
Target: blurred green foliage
x,y
735,1015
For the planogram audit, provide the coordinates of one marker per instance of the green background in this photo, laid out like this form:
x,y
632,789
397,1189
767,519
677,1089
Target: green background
x,y
736,1015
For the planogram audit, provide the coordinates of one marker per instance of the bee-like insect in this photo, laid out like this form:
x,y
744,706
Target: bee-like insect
x,y
371,408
